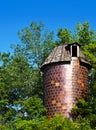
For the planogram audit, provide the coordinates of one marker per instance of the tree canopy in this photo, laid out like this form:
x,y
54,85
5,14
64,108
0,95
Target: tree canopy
x,y
21,81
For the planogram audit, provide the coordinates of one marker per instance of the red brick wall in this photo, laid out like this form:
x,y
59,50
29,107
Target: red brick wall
x,y
63,85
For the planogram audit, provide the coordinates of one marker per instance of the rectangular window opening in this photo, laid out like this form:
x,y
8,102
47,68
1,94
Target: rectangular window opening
x,y
74,51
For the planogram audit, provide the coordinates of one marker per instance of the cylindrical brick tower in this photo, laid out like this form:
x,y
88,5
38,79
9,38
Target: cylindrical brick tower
x,y
65,74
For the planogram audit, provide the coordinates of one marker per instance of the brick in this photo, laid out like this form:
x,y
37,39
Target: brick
x,y
64,84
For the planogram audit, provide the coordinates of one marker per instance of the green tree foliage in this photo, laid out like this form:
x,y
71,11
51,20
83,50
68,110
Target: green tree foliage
x,y
84,35
21,83
56,123
20,79
18,87
33,108
65,36
37,42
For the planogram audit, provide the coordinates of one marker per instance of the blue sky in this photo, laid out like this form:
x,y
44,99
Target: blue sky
x,y
17,14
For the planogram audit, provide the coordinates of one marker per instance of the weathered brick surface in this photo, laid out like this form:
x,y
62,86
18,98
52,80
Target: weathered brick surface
x,y
63,85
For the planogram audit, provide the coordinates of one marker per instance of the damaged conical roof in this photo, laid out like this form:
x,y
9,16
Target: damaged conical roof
x,y
63,54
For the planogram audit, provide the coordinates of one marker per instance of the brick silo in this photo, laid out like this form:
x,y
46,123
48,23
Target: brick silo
x,y
65,74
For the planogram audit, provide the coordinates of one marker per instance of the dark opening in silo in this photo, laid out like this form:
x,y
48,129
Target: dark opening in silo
x,y
74,51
